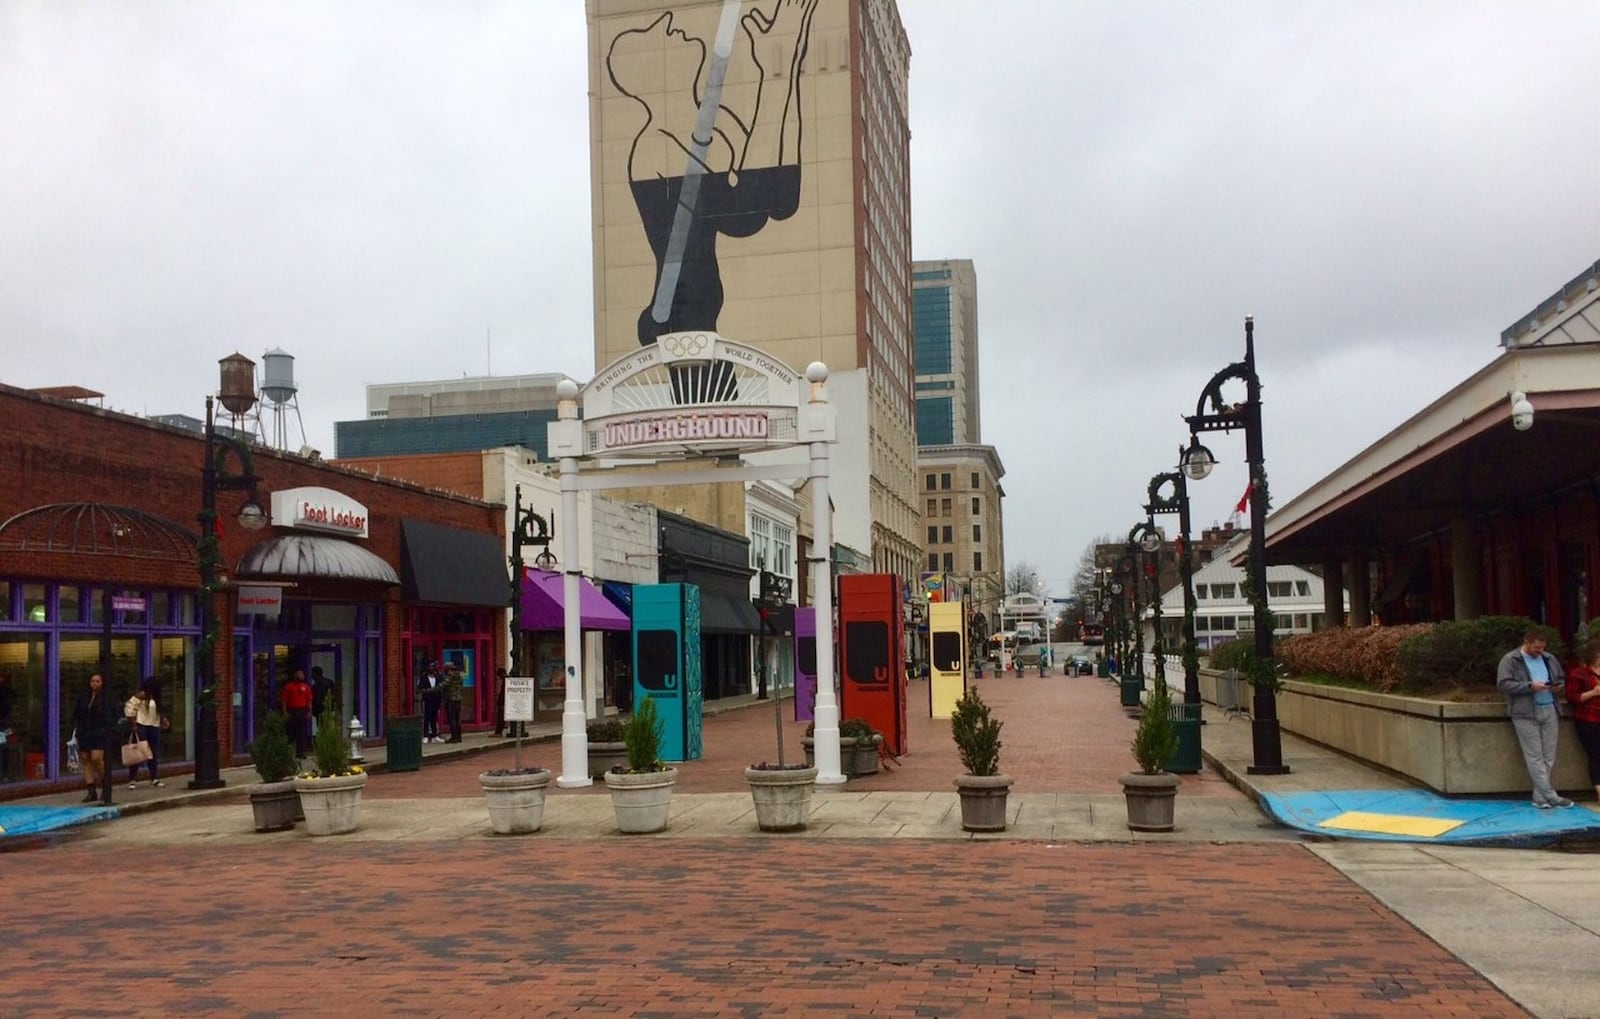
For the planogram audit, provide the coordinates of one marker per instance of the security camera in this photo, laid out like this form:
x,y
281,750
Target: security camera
x,y
1521,412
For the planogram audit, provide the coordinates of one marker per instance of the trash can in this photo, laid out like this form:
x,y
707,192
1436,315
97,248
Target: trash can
x,y
1186,722
1132,688
403,740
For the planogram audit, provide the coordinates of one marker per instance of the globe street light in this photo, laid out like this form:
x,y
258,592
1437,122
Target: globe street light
x,y
1150,541
1214,414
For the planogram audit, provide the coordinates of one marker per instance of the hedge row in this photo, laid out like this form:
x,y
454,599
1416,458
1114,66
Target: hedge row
x,y
1412,658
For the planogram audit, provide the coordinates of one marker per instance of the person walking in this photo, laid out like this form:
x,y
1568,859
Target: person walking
x,y
430,689
321,695
1531,680
143,711
1583,693
499,701
296,698
94,721
454,690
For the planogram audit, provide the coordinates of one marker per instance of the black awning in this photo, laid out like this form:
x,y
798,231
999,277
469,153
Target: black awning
x,y
726,613
450,566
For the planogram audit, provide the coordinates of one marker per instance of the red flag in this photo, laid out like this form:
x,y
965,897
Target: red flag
x,y
1244,502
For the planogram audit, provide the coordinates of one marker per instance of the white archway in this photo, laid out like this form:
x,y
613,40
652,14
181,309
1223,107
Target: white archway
x,y
694,395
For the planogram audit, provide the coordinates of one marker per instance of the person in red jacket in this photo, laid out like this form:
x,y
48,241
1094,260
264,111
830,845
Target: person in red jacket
x,y
1583,693
296,697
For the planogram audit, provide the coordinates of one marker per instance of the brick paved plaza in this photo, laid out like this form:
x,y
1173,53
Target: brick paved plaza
x,y
216,920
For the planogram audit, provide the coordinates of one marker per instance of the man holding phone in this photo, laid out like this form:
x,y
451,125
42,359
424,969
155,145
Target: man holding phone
x,y
1532,682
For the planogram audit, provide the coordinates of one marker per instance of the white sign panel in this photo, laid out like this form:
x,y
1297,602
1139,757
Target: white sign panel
x,y
519,698
319,509
256,600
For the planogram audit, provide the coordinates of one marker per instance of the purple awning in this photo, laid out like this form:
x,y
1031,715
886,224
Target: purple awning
x,y
543,600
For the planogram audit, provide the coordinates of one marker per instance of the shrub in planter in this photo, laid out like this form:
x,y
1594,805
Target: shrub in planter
x,y
607,748
983,789
1462,653
641,789
331,794
271,752
1151,792
274,804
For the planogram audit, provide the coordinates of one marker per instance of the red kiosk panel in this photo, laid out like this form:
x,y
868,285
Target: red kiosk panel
x,y
872,675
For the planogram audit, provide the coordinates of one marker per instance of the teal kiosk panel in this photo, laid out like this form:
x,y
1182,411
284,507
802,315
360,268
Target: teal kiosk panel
x,y
666,663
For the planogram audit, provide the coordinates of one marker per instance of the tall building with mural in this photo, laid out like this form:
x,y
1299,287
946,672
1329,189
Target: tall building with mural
x,y
750,176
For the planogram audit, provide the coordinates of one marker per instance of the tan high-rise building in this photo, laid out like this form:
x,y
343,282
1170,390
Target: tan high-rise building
x,y
750,176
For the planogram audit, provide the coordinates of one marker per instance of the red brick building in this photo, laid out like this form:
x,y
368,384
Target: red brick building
x,y
364,577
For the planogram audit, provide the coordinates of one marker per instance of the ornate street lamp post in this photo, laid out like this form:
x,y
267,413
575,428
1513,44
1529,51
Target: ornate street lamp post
x,y
1169,494
1148,539
238,396
528,530
1212,414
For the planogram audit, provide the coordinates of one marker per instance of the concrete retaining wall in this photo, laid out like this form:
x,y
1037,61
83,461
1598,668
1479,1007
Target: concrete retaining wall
x,y
1458,749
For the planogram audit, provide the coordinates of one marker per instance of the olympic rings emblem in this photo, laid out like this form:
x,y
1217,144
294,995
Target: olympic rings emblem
x,y
685,344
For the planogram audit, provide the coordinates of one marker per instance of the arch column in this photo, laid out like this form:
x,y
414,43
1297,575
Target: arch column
x,y
1466,568
1332,592
1360,590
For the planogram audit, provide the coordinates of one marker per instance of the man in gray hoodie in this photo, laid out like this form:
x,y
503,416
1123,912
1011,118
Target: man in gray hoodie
x,y
1532,682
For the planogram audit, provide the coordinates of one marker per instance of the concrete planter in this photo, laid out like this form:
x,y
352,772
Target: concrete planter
x,y
642,801
516,802
782,796
857,756
1456,748
605,756
275,805
983,801
332,805
1152,800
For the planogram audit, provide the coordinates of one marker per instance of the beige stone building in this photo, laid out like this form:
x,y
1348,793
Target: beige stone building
x,y
750,176
964,536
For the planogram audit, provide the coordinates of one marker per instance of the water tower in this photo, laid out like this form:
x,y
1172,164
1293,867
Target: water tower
x,y
277,385
237,389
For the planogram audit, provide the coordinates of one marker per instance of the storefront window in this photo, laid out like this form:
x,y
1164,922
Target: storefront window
x,y
71,603
34,609
5,601
161,608
333,617
23,706
173,659
80,659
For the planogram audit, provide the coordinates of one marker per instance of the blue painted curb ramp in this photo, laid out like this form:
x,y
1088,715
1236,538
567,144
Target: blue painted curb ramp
x,y
1417,815
35,820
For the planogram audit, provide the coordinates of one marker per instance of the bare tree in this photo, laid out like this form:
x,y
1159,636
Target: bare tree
x,y
1023,579
1086,576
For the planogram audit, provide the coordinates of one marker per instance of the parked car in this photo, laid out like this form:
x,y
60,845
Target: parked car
x,y
1080,665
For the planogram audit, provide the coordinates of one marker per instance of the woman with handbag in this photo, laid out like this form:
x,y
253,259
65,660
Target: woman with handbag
x,y
94,721
144,710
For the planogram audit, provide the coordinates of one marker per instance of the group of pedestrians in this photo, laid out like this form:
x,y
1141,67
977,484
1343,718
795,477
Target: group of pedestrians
x,y
303,703
100,737
441,688
1532,679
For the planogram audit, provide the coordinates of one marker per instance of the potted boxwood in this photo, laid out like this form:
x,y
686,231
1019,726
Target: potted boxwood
x,y
641,789
607,748
858,747
330,794
984,788
1152,792
273,801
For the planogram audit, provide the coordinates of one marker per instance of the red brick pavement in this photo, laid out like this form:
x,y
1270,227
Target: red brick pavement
x,y
1062,734
688,928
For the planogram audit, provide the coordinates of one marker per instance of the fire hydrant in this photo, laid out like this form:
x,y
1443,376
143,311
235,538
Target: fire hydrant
x,y
358,732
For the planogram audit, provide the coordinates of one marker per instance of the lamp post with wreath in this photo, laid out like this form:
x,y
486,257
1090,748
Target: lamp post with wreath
x,y
1214,414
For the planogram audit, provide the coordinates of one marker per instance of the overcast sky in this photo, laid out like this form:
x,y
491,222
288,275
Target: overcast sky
x,y
400,190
